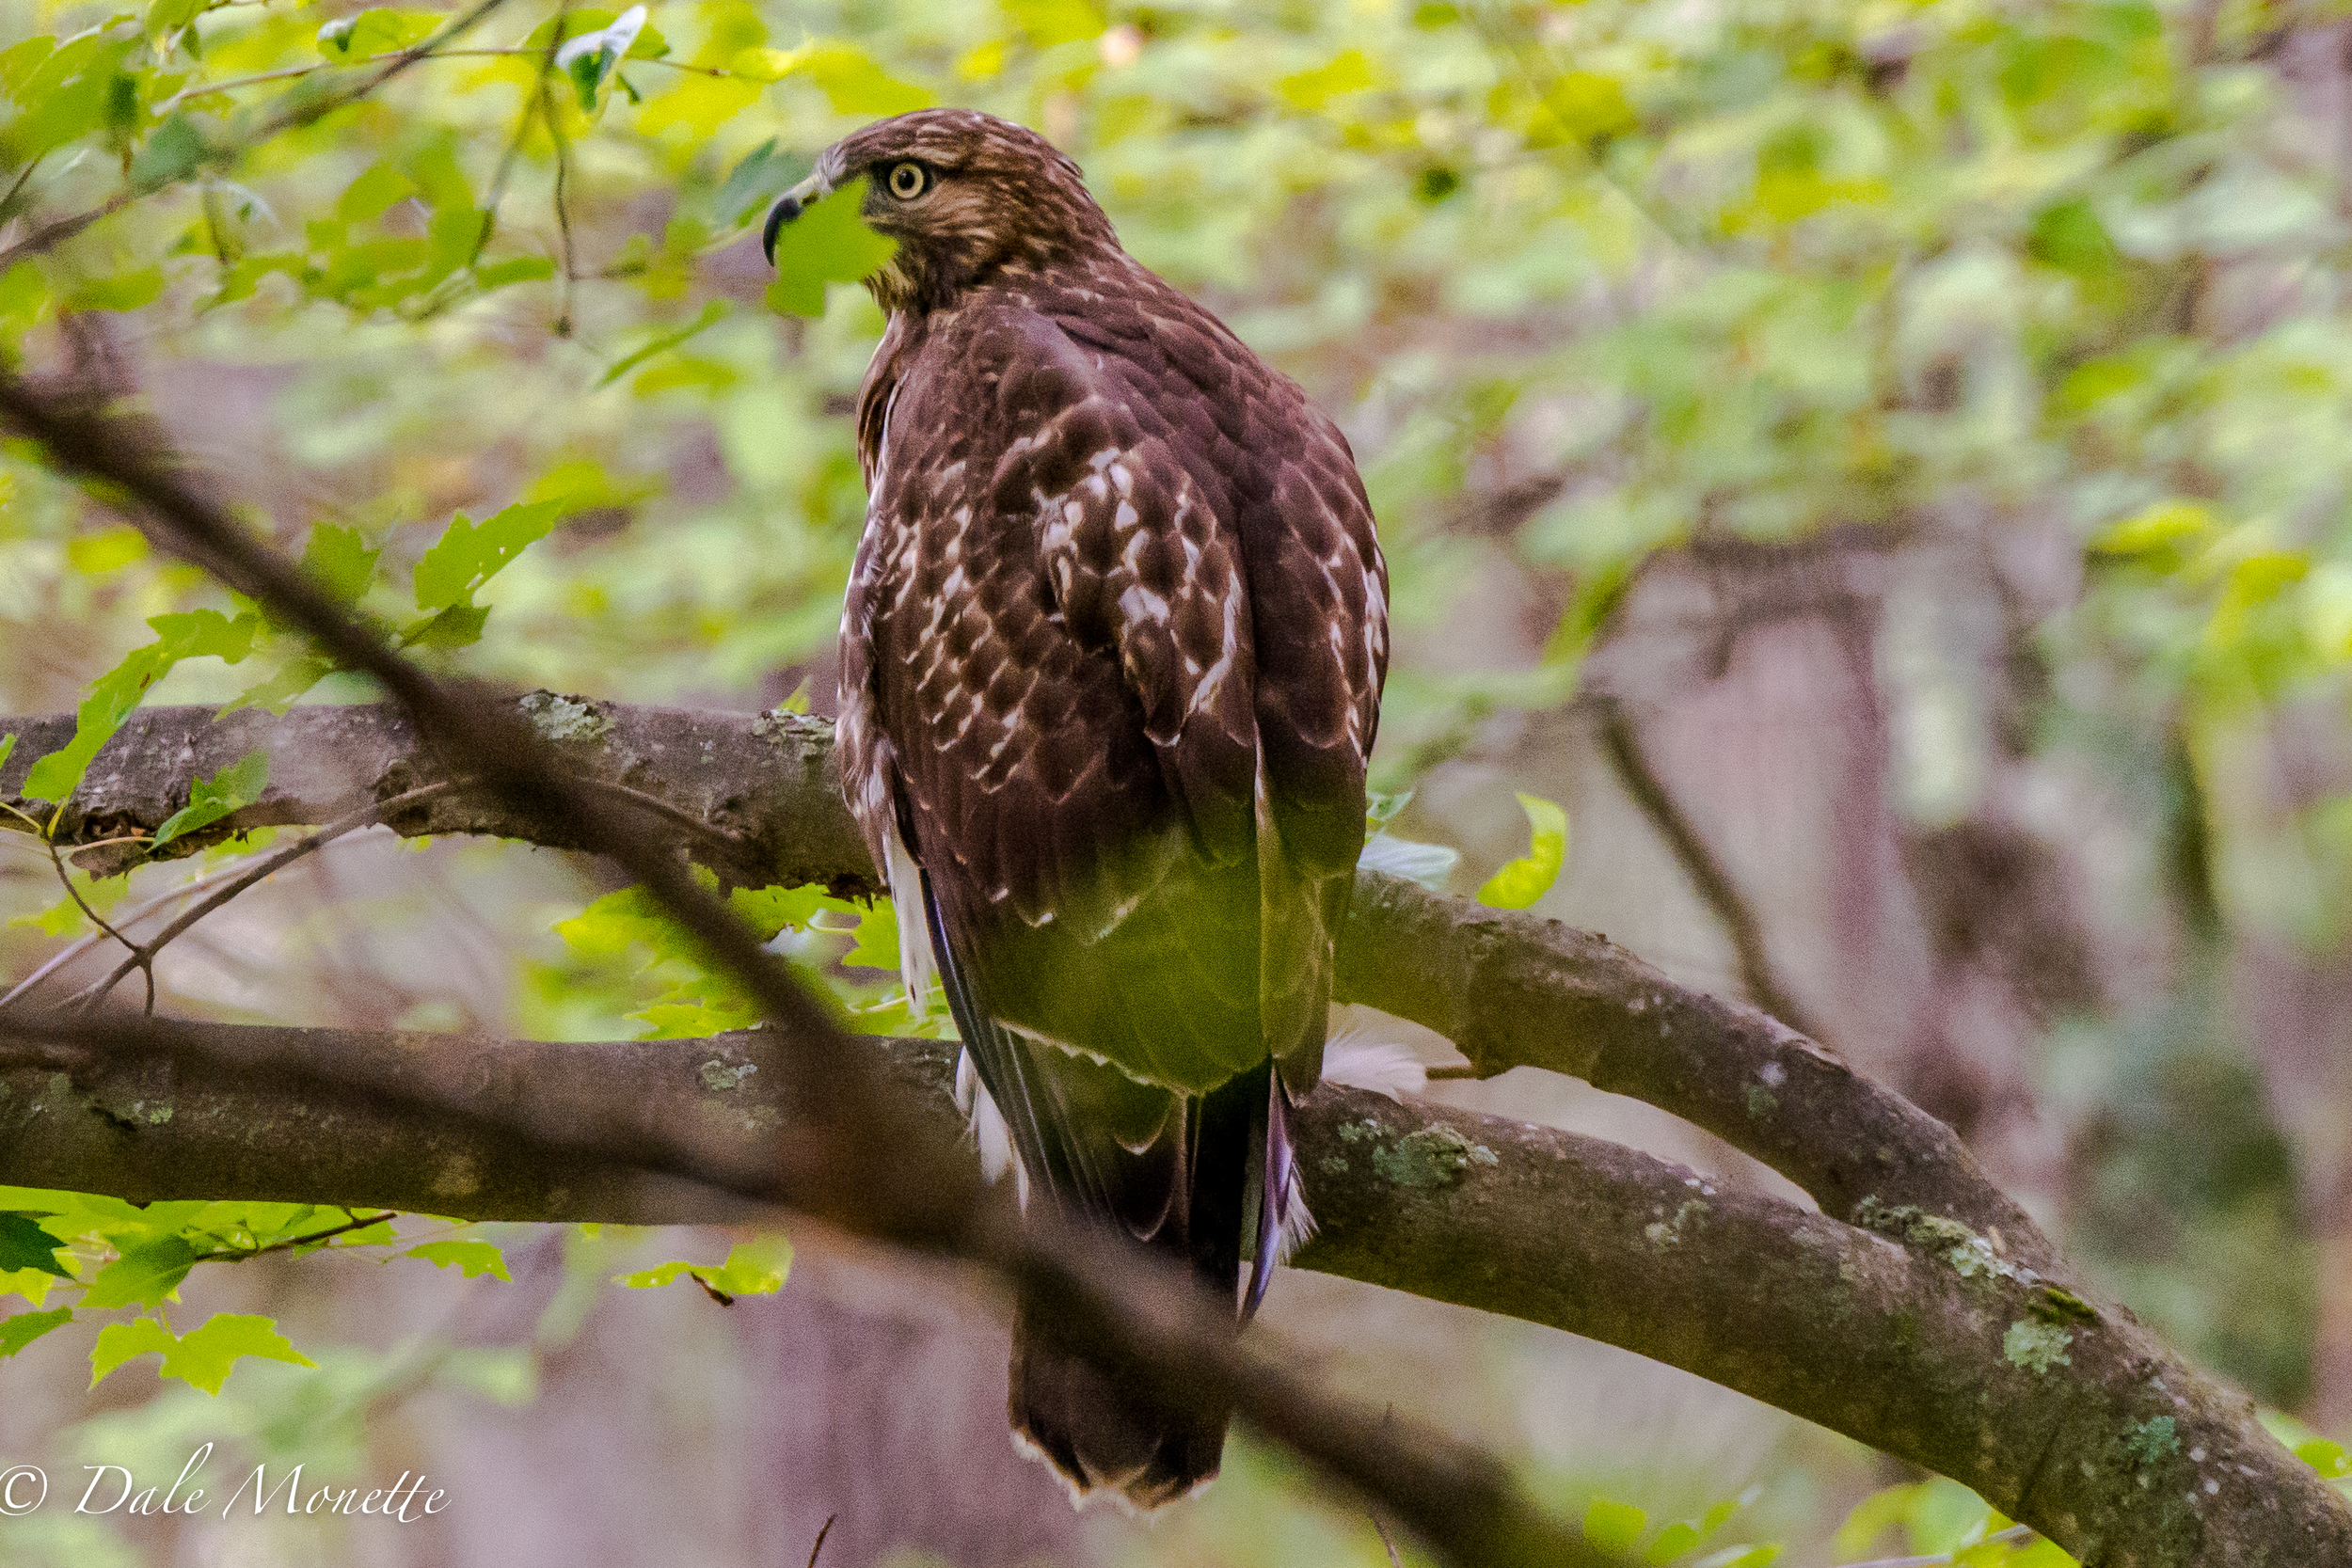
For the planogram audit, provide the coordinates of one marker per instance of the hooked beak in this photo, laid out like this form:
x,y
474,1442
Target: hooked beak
x,y
792,204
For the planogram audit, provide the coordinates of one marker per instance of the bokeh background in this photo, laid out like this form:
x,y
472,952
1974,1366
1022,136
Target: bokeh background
x,y
1881,466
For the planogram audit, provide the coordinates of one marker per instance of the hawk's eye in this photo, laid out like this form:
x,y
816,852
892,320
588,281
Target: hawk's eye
x,y
909,180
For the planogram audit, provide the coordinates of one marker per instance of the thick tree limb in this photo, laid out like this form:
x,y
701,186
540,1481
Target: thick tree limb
x,y
467,1127
1932,1350
1508,990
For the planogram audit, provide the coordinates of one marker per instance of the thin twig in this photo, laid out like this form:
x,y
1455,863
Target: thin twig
x,y
17,185
669,813
145,965
238,1254
144,954
83,944
81,903
826,1530
533,106
209,89
562,212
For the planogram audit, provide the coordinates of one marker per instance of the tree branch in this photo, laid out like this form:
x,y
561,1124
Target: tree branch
x,y
1509,989
1923,1346
657,1132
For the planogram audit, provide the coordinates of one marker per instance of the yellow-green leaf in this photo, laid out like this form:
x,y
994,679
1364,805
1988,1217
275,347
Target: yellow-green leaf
x,y
1529,878
1614,1527
202,1357
753,1268
26,1327
234,788
470,1258
829,243
143,1276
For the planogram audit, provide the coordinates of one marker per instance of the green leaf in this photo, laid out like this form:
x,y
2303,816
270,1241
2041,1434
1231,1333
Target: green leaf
x,y
122,290
294,678
1614,1527
24,1245
119,1342
2328,1458
590,21
143,1276
172,153
165,16
771,909
234,788
205,1356
26,1327
459,627
378,1234
472,1257
1312,90
1741,1556
202,1358
765,173
1674,1540
522,269
753,1268
591,58
109,551
877,945
339,561
470,554
2164,530
829,243
372,195
1529,878
378,31
852,82
202,633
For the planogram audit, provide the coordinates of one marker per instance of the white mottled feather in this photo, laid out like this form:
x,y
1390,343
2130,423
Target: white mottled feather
x,y
1357,1057
917,964
988,1126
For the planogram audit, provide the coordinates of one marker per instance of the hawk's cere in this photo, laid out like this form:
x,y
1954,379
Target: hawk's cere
x,y
1111,668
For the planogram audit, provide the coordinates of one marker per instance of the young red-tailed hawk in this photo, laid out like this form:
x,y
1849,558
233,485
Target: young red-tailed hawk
x,y
1110,668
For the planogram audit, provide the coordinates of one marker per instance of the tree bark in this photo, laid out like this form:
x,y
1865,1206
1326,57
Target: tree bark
x,y
1921,1311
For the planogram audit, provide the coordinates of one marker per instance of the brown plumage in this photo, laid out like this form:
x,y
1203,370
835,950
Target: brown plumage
x,y
1111,665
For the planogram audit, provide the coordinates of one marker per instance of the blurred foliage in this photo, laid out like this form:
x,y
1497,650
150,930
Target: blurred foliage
x,y
2065,277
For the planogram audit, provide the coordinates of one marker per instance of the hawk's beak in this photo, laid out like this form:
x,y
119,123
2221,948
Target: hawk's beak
x,y
792,204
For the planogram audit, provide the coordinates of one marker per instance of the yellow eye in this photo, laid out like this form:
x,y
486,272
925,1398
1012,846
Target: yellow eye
x,y
909,180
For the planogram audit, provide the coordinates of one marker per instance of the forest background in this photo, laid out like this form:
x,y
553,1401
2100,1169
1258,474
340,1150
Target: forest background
x,y
1881,468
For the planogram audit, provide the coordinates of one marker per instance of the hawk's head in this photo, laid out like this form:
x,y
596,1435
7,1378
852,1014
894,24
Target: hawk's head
x,y
967,196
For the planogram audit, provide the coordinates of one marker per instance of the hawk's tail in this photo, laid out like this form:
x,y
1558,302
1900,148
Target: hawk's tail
x,y
1089,1414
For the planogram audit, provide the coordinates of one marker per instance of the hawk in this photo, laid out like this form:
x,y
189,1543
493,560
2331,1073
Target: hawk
x,y
1111,660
